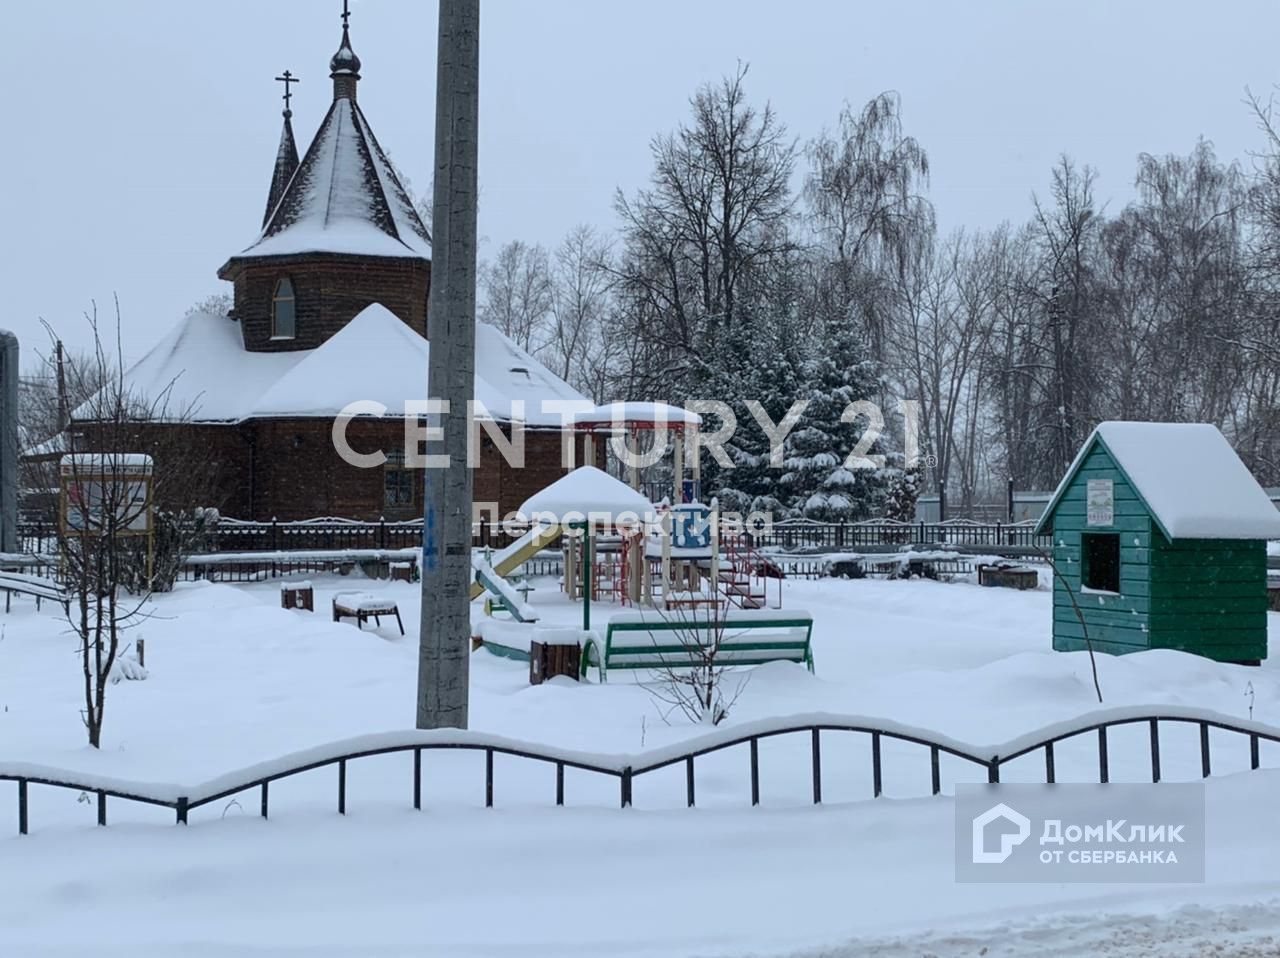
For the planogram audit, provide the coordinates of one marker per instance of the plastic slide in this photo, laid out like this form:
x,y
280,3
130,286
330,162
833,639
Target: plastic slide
x,y
505,561
503,591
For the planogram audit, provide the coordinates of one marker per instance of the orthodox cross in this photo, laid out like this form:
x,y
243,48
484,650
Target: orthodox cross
x,y
287,80
346,14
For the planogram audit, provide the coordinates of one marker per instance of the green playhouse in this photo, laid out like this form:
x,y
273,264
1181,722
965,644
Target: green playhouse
x,y
1159,534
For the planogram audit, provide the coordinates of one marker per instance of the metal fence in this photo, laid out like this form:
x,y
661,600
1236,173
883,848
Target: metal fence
x,y
792,536
627,769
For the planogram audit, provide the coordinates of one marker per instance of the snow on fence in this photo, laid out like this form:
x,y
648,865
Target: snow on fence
x,y
626,768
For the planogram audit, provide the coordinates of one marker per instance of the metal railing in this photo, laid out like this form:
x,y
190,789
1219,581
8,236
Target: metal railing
x,y
627,769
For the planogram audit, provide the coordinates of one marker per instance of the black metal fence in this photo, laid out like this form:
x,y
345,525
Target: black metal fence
x,y
328,534
628,771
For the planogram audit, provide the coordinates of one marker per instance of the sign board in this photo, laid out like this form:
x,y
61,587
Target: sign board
x,y
93,487
1101,502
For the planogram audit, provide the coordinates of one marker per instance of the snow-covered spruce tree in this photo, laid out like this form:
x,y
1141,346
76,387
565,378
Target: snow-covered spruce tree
x,y
759,365
900,503
817,483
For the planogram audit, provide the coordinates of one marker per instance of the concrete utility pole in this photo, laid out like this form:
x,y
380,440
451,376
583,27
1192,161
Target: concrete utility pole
x,y
8,442
445,644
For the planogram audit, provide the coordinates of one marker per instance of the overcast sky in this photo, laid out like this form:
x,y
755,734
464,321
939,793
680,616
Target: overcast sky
x,y
139,134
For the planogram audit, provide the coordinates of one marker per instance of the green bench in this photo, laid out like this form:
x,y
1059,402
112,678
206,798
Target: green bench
x,y
652,640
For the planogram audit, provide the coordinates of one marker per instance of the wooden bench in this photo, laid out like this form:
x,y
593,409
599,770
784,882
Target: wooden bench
x,y
362,607
651,640
1007,576
41,588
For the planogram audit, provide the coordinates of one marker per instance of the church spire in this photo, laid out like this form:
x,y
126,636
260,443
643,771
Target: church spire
x,y
344,68
286,155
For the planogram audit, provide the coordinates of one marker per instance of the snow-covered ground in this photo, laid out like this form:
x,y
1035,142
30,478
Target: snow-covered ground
x,y
234,679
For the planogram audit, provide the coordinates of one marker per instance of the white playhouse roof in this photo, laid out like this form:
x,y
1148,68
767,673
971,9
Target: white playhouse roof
x,y
1190,478
205,374
584,493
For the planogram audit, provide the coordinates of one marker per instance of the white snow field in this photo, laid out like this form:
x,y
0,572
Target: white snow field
x,y
233,680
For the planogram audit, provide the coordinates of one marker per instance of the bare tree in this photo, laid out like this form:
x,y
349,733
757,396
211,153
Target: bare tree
x,y
697,684
518,294
131,481
864,193
580,343
697,241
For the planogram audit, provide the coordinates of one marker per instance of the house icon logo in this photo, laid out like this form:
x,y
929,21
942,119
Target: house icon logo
x,y
1009,840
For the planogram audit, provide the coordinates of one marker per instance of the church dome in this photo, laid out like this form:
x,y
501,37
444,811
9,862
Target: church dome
x,y
345,60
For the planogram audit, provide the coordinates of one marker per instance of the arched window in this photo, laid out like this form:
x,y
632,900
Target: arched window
x,y
284,321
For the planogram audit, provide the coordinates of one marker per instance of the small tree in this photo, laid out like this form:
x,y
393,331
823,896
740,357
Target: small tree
x,y
900,504
697,688
101,520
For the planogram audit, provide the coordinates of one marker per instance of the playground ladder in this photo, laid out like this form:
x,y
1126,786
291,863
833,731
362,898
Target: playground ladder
x,y
740,578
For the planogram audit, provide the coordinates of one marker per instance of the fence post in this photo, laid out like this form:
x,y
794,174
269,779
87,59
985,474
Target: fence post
x,y
626,787
22,806
181,809
382,532
275,535
817,767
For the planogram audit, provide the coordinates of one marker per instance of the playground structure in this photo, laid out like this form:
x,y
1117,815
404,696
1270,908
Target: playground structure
x,y
620,548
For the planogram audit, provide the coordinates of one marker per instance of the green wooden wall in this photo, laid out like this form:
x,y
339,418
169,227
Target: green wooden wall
x,y
1205,596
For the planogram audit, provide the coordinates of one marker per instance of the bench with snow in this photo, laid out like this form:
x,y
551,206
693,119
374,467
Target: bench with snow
x,y
23,583
1007,575
362,607
650,640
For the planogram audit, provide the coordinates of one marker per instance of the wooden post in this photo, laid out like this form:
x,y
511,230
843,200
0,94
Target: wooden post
x,y
714,517
677,467
668,529
142,652
633,467
696,464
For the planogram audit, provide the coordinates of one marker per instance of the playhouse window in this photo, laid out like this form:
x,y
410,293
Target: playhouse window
x,y
1101,554
284,321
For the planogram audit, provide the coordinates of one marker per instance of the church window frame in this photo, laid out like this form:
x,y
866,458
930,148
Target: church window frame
x,y
284,310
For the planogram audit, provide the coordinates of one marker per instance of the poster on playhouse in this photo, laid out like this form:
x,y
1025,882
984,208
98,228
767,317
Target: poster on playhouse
x,y
1102,502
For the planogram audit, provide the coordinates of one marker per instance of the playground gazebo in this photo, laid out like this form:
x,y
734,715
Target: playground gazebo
x,y
1159,542
665,424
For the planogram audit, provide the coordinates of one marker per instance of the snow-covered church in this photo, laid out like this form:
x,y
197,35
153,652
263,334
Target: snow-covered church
x,y
331,308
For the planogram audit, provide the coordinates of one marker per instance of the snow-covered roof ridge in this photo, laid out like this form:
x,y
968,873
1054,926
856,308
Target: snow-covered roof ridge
x,y
205,374
344,197
1189,477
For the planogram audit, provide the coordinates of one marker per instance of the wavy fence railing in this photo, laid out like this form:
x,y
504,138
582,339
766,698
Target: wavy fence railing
x,y
627,768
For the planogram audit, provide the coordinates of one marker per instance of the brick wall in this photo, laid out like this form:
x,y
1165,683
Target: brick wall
x,y
289,469
329,290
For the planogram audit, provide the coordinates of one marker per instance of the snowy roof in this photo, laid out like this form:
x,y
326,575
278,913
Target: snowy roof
x,y
1189,478
136,462
344,198
206,375
285,166
621,413
587,492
